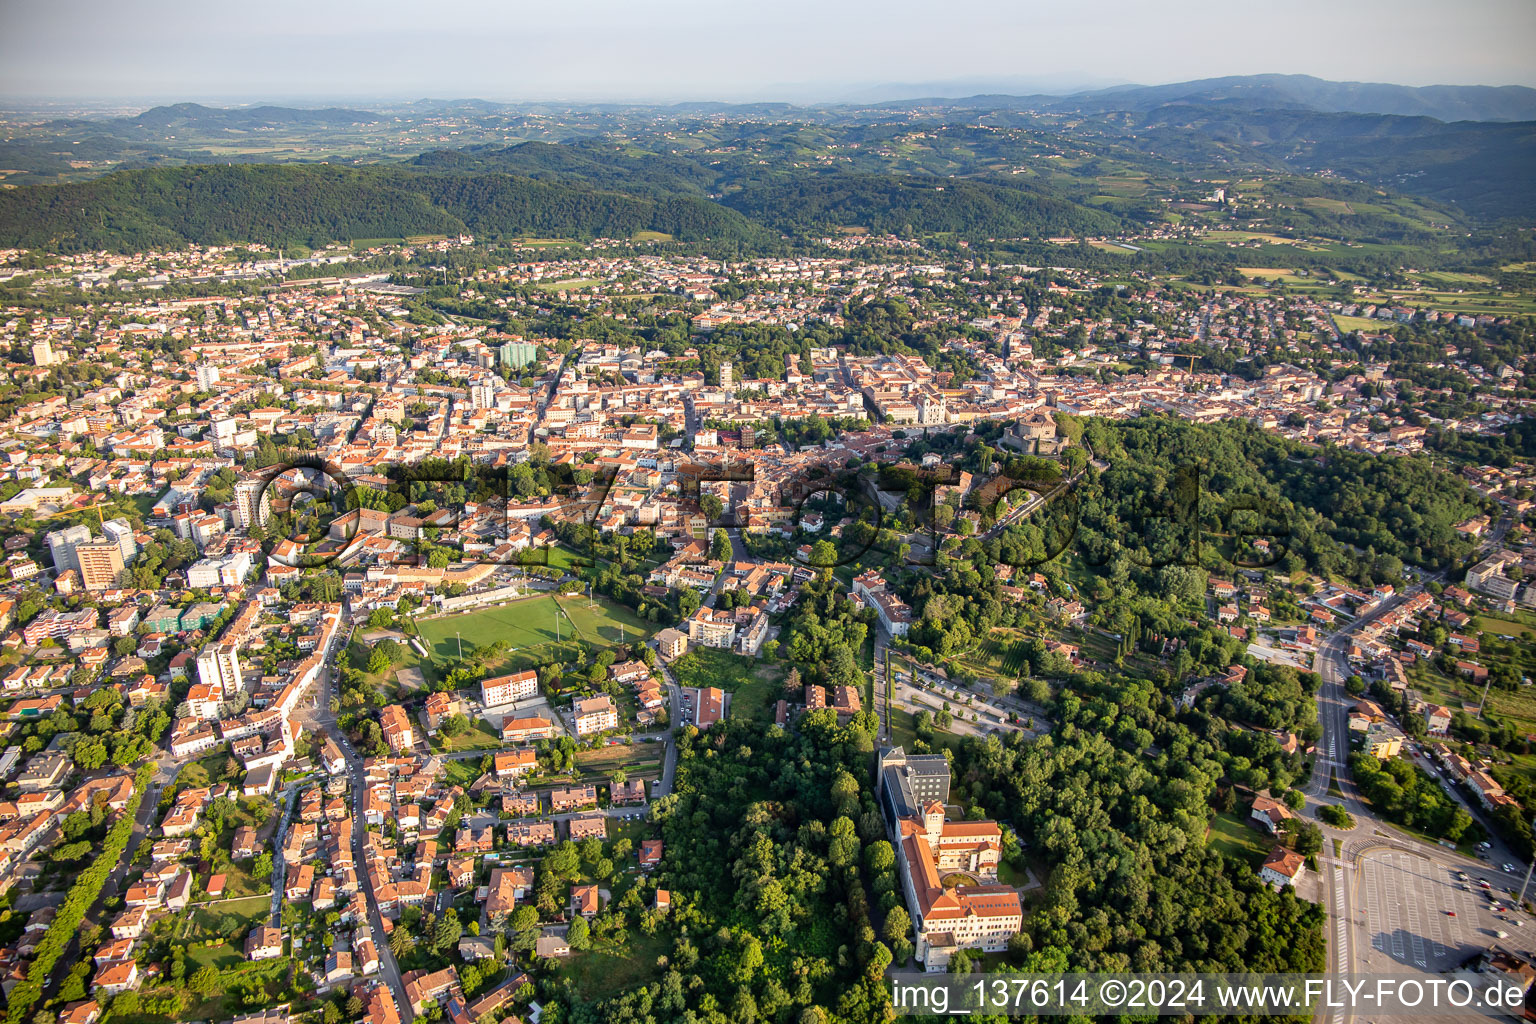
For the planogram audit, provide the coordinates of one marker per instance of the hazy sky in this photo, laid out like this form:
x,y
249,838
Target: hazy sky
x,y
682,49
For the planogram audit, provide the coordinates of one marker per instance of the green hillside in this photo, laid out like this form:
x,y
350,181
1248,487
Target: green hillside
x,y
312,205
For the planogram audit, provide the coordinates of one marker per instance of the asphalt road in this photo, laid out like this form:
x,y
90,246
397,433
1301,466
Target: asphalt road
x,y
1380,869
317,715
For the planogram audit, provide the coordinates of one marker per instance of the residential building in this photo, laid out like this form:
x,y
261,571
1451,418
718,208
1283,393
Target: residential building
x,y
100,563
218,668
672,644
595,715
1282,867
396,726
500,690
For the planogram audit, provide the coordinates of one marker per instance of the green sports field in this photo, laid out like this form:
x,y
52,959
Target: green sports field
x,y
530,623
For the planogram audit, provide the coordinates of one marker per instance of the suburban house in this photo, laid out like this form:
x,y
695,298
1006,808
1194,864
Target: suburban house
x,y
1282,867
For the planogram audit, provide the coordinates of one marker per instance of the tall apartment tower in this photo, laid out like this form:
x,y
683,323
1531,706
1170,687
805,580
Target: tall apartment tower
x,y
252,504
100,563
121,531
207,376
42,353
727,375
62,543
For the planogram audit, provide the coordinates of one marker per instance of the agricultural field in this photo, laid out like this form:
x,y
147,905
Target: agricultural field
x,y
1126,187
1285,275
607,759
1236,237
1001,653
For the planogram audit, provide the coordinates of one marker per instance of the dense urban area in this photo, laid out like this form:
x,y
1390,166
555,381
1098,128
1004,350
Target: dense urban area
x,y
642,613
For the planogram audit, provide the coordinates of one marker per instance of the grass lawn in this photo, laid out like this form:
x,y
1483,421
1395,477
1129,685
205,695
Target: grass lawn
x,y
569,284
239,883
271,975
607,623
1357,323
710,666
1236,838
463,773
609,969
566,559
218,957
1517,625
531,623
225,917
755,698
753,684
634,831
209,933
479,737
1009,873
904,733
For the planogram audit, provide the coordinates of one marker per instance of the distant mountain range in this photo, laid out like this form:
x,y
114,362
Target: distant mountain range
x,y
1243,92
1303,92
976,167
246,117
1280,92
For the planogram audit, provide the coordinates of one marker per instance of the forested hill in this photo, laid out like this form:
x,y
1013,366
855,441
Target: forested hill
x,y
309,204
908,204
314,204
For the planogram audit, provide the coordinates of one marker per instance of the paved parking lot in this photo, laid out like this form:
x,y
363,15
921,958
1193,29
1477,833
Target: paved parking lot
x,y
532,707
1264,651
1406,898
994,717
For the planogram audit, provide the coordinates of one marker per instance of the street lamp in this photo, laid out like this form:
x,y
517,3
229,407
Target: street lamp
x,y
1521,900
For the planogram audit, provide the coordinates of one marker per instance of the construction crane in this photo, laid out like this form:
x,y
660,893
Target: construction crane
x,y
96,506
